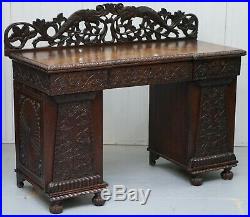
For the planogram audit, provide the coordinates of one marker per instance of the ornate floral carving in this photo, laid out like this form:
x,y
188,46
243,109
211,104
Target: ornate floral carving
x,y
84,81
30,76
74,145
30,153
78,81
125,24
212,136
150,74
92,80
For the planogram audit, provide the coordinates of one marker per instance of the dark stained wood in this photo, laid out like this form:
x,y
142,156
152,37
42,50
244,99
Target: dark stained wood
x,y
192,123
28,134
168,114
119,55
58,95
121,76
49,127
117,19
59,143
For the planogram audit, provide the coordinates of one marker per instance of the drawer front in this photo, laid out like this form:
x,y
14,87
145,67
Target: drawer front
x,y
150,74
216,68
75,82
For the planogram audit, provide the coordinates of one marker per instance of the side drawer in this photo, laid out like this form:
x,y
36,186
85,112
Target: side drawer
x,y
216,68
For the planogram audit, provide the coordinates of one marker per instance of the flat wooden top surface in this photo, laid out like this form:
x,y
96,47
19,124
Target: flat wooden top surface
x,y
118,54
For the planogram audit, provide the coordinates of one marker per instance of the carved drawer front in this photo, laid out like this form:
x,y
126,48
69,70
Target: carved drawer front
x,y
74,82
60,83
150,74
216,68
29,138
180,71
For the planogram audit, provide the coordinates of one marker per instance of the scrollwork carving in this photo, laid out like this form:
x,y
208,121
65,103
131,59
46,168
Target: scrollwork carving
x,y
123,23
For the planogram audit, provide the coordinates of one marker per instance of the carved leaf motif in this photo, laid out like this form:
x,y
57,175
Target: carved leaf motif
x,y
114,18
60,19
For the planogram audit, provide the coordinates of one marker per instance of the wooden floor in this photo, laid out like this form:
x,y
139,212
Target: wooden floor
x,y
128,165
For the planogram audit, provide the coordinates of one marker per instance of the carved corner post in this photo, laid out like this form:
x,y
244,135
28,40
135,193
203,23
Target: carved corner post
x,y
192,124
59,143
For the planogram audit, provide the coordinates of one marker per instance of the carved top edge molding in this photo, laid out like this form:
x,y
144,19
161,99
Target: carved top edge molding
x,y
108,23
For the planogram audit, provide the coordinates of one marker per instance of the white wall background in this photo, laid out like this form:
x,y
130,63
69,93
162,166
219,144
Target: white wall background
x,y
126,110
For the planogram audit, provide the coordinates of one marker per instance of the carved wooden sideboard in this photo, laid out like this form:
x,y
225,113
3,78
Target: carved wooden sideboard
x,y
58,94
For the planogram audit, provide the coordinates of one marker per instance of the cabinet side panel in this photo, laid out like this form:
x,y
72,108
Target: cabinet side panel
x,y
73,149
212,138
216,118
168,121
78,148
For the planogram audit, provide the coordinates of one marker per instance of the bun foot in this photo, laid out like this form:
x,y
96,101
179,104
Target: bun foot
x,y
20,184
97,200
56,207
152,158
196,180
19,179
226,174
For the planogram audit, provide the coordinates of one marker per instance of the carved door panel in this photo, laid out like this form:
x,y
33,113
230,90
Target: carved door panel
x,y
30,138
28,110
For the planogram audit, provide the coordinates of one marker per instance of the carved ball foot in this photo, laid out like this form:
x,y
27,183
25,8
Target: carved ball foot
x,y
97,200
226,174
196,180
152,158
56,207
